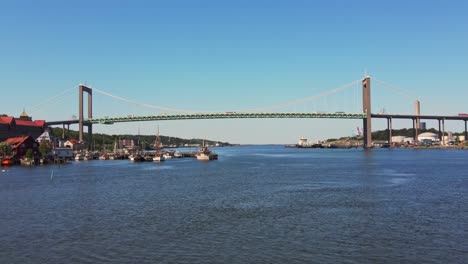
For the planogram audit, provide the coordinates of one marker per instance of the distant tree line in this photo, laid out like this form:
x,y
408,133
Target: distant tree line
x,y
104,141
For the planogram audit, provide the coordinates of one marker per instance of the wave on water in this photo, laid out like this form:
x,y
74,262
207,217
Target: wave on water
x,y
394,173
158,167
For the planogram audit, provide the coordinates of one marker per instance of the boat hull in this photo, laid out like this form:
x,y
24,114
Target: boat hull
x,y
159,159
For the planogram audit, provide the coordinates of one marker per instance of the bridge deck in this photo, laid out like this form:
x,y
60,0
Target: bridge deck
x,y
110,120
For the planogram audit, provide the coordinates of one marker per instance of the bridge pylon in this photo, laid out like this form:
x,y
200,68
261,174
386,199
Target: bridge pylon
x,y
366,108
89,91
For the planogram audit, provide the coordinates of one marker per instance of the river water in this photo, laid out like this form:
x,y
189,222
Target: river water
x,y
256,204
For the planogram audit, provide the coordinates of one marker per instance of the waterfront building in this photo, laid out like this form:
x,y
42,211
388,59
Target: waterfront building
x,y
398,139
73,144
428,136
11,127
44,137
20,145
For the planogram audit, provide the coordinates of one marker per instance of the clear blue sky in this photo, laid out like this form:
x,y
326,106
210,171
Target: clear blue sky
x,y
230,55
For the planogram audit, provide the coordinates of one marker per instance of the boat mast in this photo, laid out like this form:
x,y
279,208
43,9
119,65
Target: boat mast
x,y
158,142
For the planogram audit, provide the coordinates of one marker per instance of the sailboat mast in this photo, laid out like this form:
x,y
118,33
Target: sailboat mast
x,y
158,142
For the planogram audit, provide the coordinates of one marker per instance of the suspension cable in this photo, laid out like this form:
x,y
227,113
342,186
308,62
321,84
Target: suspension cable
x,y
303,99
48,101
142,104
394,89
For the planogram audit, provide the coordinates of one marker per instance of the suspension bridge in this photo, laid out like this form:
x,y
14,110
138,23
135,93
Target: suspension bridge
x,y
264,112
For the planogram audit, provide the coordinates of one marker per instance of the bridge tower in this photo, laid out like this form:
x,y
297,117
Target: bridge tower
x,y
366,108
89,91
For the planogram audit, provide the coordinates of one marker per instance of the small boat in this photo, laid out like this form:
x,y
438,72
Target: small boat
x,y
78,156
148,158
167,155
104,157
205,154
177,154
7,161
158,158
88,156
135,157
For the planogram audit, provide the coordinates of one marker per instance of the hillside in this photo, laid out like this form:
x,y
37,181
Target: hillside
x,y
102,141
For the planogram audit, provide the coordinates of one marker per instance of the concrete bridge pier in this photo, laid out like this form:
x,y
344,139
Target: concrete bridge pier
x,y
440,133
415,130
443,132
366,108
466,133
389,129
89,91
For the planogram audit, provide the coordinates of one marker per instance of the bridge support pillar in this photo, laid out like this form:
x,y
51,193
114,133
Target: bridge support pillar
x,y
89,91
366,108
443,132
389,128
63,131
416,121
440,132
466,133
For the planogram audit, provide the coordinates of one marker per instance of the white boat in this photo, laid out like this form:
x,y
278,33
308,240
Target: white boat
x,y
135,157
167,156
205,154
177,154
78,156
158,158
88,156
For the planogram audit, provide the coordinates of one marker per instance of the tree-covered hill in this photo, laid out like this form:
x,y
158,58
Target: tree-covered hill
x,y
101,141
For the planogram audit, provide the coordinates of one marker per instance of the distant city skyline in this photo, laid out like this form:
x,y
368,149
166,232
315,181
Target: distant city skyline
x,y
222,56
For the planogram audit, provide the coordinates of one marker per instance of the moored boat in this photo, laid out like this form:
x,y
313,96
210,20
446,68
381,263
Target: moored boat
x,y
78,156
148,158
135,157
104,157
7,161
205,154
158,158
167,155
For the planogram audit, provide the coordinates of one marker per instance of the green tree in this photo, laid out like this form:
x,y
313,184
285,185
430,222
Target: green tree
x,y
29,154
5,149
44,148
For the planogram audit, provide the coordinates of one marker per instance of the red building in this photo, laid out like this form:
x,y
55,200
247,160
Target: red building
x,y
20,145
22,126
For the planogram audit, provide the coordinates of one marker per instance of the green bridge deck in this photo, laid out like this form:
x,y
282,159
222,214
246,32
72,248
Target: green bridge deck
x,y
111,120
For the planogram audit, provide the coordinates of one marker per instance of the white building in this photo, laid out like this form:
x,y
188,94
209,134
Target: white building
x,y
428,136
398,139
73,144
